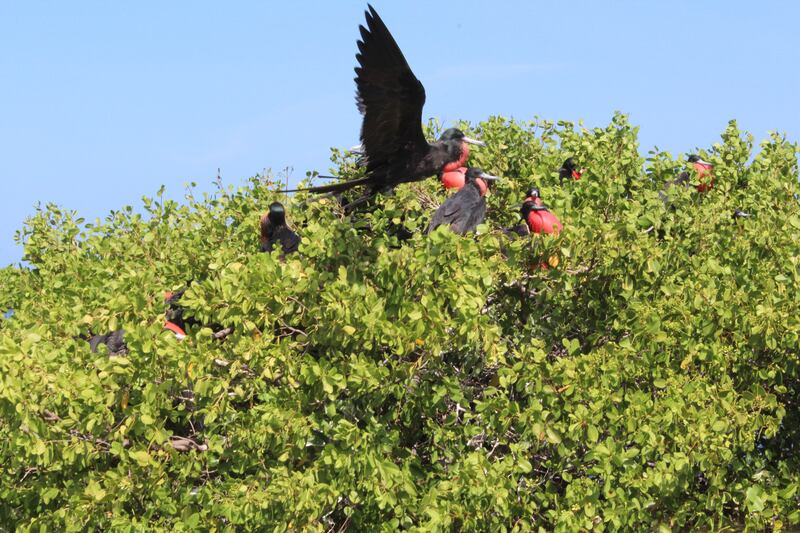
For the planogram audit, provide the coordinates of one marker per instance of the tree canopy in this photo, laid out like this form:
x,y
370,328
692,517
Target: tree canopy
x,y
638,370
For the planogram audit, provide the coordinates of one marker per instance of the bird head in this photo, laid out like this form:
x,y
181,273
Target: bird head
x,y
700,164
532,194
458,147
277,214
480,178
456,135
570,170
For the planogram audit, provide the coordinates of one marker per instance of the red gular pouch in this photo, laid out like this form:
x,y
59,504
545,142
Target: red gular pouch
x,y
174,328
576,175
482,186
704,172
543,221
462,161
454,179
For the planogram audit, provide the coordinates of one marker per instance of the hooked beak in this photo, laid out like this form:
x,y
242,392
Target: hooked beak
x,y
704,162
473,141
485,176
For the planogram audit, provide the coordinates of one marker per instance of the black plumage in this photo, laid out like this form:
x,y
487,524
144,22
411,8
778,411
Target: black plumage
x,y
114,341
467,208
568,170
390,98
681,180
275,231
175,311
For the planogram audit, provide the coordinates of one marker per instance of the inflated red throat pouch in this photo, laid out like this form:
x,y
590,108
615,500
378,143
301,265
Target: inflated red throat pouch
x,y
174,328
482,186
454,179
543,222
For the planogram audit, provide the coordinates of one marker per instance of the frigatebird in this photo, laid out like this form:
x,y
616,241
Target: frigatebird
x,y
467,208
175,321
537,215
390,98
569,169
114,341
703,169
274,230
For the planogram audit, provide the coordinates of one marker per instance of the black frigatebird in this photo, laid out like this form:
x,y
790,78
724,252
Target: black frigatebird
x,y
569,170
703,169
175,321
467,208
537,215
390,98
274,230
114,341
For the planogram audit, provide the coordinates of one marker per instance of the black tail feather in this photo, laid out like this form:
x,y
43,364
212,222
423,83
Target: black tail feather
x,y
337,187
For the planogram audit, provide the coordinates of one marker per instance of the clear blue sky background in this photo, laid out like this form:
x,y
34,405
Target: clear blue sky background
x,y
102,102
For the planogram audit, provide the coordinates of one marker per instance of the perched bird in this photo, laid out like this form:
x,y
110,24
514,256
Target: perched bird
x,y
274,230
703,169
467,208
114,341
738,213
390,98
569,170
537,215
175,321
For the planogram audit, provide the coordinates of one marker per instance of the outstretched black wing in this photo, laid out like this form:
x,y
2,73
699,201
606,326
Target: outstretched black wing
x,y
389,96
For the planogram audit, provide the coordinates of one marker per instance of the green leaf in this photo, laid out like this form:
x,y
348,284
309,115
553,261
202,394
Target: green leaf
x,y
141,457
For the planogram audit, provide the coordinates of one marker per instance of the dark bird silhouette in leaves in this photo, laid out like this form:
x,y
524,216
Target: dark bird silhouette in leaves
x,y
537,215
569,170
390,98
467,208
683,179
114,341
738,213
275,231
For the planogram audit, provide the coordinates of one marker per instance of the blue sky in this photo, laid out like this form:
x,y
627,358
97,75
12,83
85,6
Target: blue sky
x,y
101,103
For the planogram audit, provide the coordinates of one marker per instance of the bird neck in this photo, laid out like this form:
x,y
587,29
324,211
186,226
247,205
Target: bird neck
x,y
277,219
456,153
482,186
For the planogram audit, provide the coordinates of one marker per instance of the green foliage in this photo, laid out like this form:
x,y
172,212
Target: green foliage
x,y
647,379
